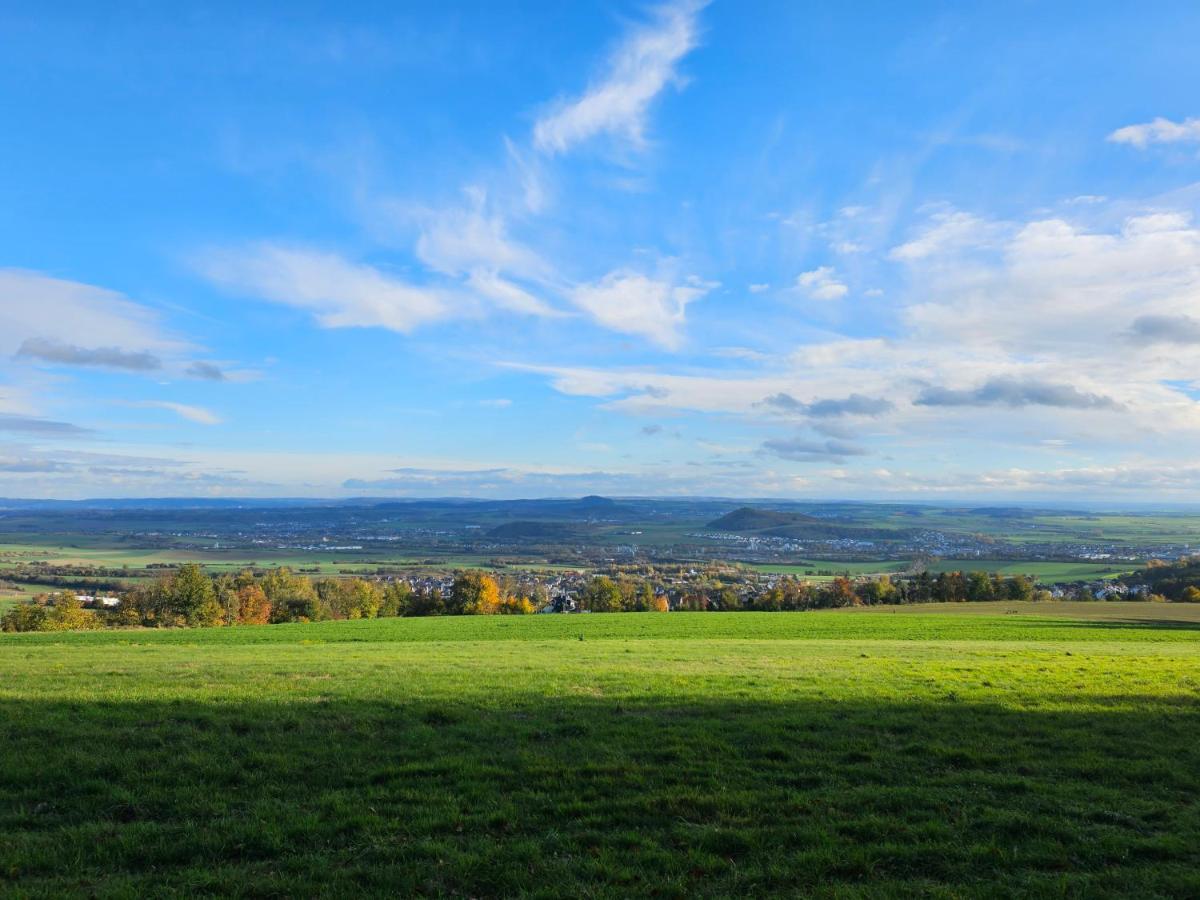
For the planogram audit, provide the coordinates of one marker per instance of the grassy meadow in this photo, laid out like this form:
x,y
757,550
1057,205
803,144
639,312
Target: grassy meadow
x,y
678,754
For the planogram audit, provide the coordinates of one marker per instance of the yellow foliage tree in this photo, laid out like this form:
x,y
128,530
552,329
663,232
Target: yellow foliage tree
x,y
474,594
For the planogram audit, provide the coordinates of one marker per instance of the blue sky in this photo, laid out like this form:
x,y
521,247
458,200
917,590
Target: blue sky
x,y
924,250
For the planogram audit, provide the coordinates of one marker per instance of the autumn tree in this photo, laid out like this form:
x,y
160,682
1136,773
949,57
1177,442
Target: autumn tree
x,y
226,588
473,594
841,592
1018,588
68,614
426,603
253,607
366,598
601,594
24,617
396,598
515,605
293,597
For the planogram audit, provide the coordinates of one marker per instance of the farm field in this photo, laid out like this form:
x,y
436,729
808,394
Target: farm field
x,y
1042,571
977,750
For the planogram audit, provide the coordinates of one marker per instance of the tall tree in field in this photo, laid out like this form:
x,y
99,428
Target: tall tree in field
x,y
253,607
226,588
1018,588
293,598
396,598
601,594
68,614
979,587
193,597
365,599
841,592
474,594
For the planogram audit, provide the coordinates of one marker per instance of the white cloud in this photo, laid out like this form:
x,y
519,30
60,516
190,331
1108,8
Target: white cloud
x,y
639,69
508,295
197,414
1056,288
1158,131
341,294
947,230
633,303
758,288
458,241
40,308
821,284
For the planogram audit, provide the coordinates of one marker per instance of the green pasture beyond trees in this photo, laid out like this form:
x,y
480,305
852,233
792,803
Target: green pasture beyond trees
x,y
609,755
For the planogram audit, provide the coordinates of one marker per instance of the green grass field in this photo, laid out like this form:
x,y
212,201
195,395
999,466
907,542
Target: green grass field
x,y
961,752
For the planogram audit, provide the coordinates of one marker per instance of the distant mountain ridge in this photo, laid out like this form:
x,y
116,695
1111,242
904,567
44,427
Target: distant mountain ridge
x,y
749,518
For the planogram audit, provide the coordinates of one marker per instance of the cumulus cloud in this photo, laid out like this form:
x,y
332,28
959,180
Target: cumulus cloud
x,y
1180,329
853,405
633,303
821,284
1055,287
1158,131
48,350
639,69
1014,393
800,449
339,293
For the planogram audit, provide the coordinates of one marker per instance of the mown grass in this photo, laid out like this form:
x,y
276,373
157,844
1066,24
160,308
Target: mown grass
x,y
673,755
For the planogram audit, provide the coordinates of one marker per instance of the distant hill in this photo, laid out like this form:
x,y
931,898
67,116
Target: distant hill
x,y
538,531
747,518
774,523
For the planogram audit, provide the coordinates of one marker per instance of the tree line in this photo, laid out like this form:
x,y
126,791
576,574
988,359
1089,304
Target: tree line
x,y
189,597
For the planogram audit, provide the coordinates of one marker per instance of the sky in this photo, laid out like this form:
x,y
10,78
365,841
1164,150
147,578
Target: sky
x,y
928,251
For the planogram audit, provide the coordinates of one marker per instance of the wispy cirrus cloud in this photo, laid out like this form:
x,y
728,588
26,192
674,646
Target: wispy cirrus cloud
x,y
197,414
339,293
639,69
33,425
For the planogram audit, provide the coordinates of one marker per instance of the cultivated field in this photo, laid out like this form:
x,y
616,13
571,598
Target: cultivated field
x,y
844,753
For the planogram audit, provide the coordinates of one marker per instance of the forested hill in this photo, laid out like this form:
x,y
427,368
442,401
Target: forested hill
x,y
775,523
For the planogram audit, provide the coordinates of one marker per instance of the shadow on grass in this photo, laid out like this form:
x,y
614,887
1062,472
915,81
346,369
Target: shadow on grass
x,y
574,797
1115,624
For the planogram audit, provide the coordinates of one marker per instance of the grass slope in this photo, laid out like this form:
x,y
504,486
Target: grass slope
x,y
679,755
